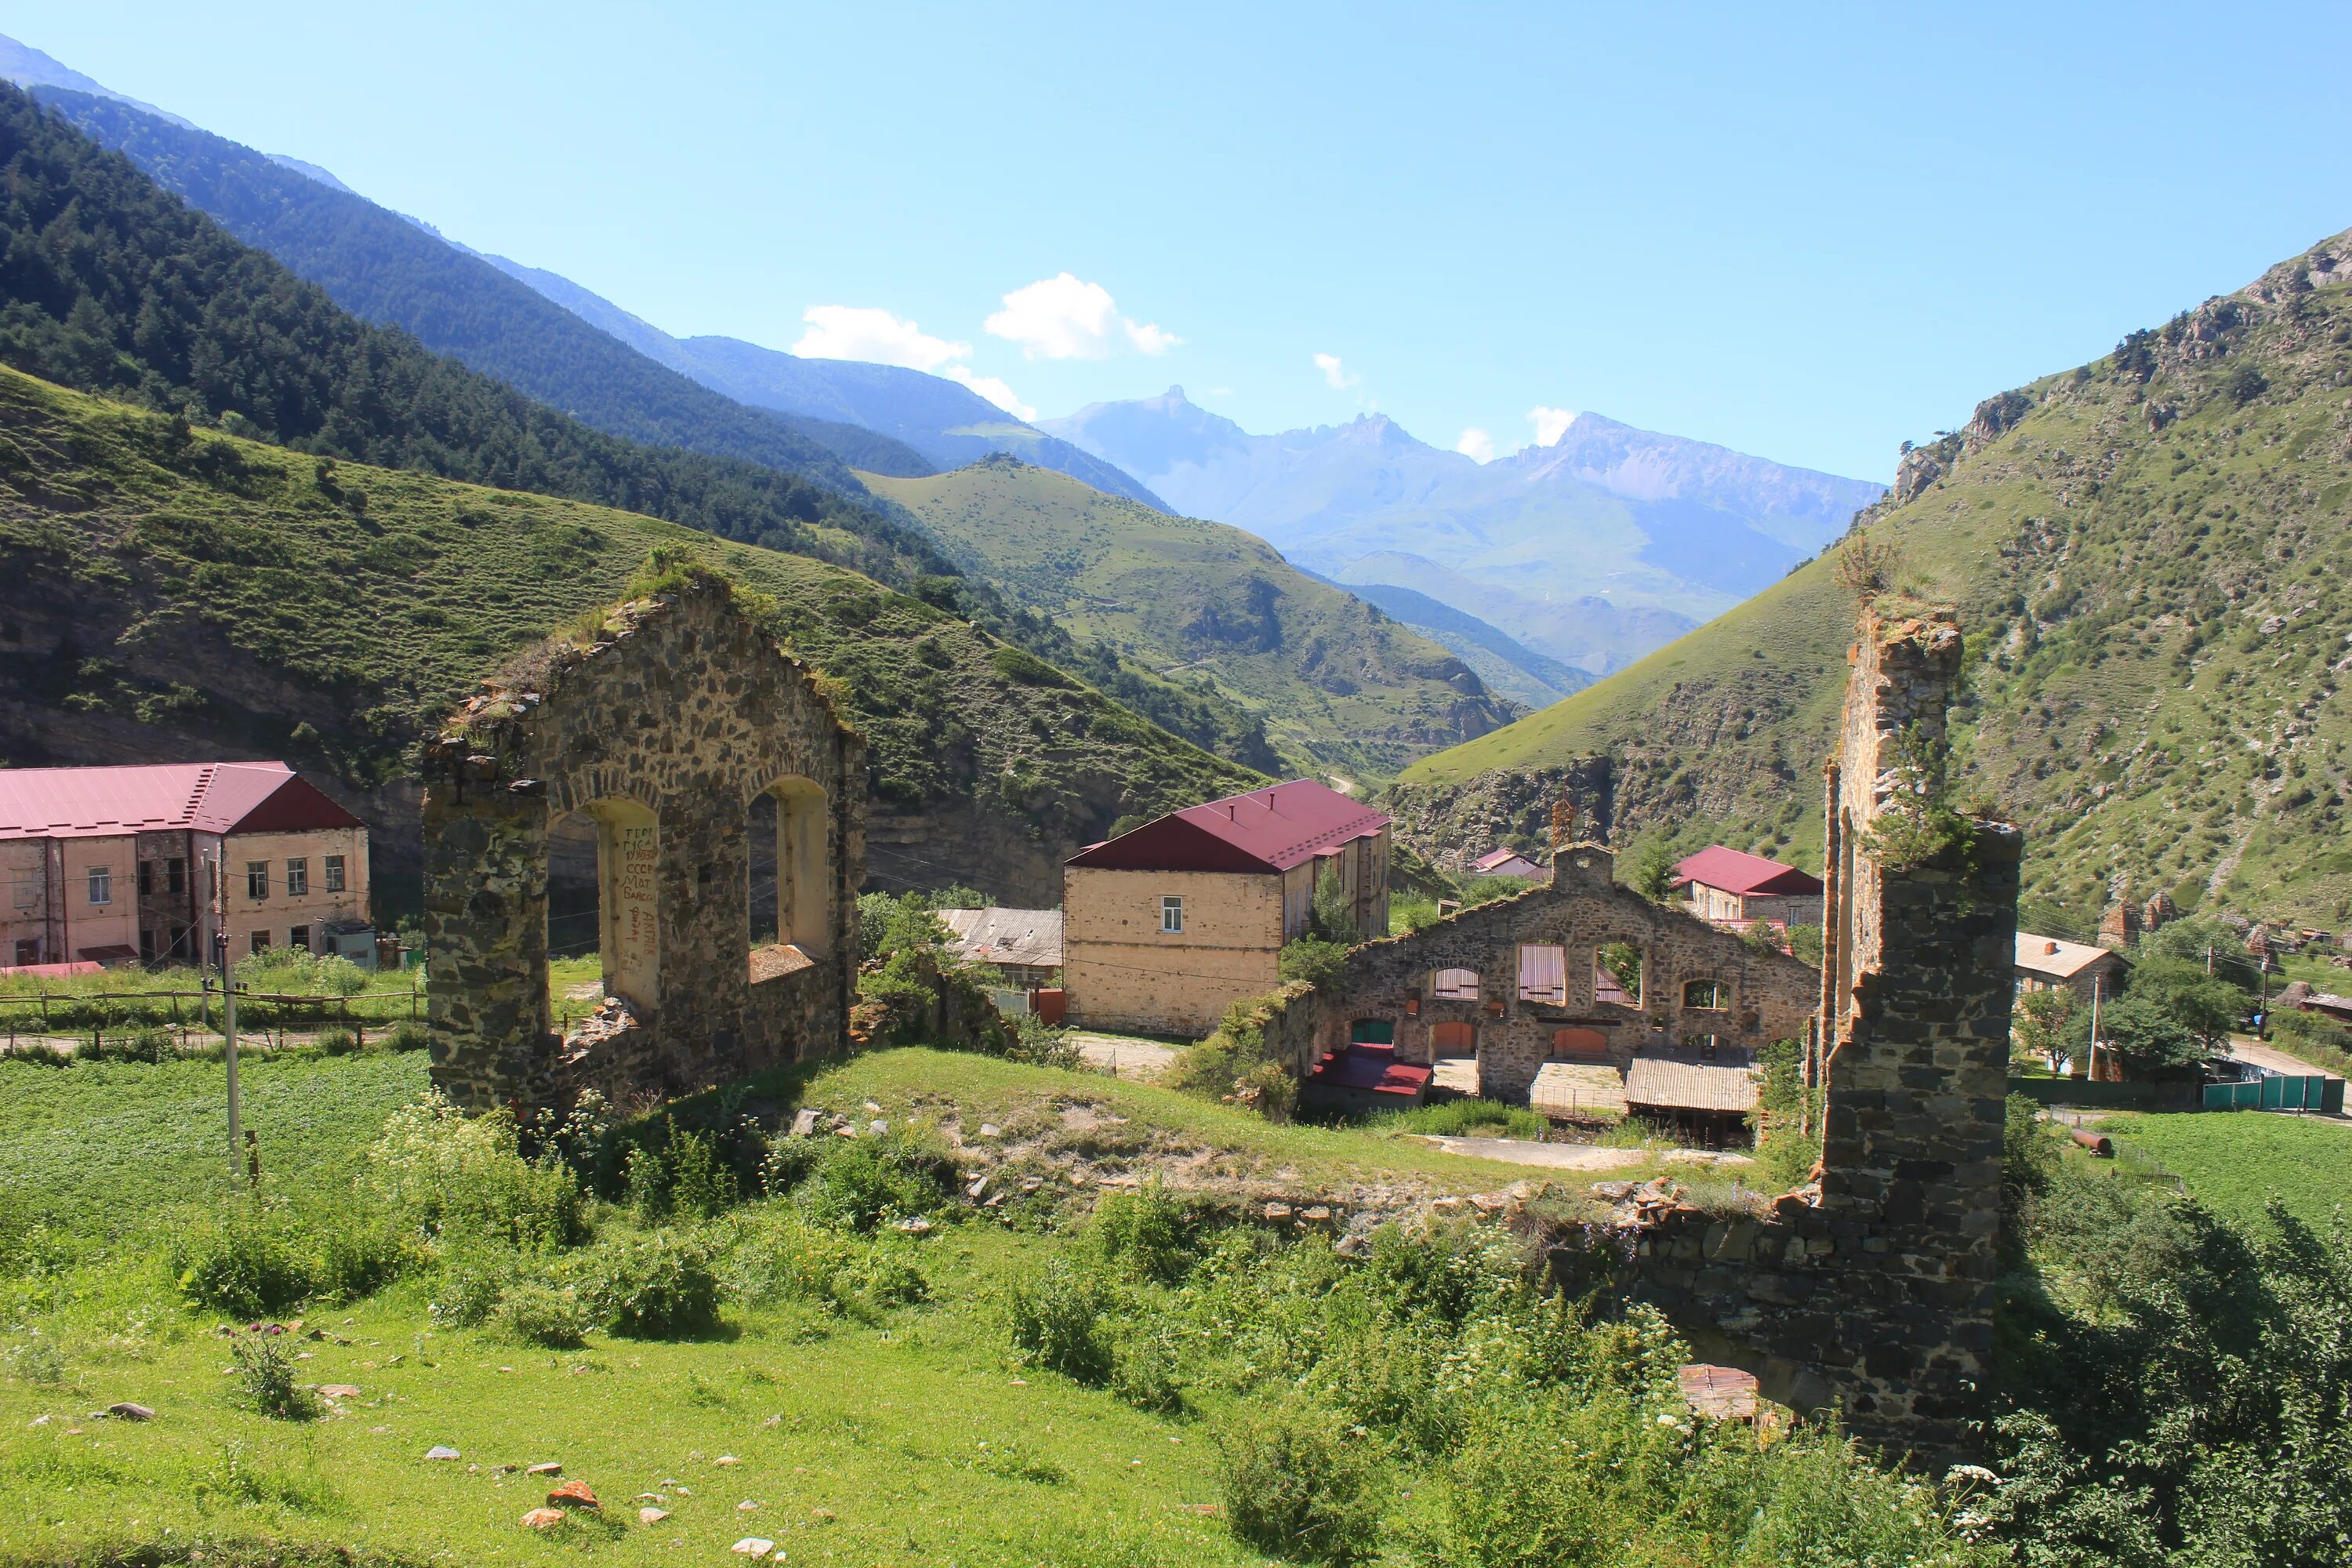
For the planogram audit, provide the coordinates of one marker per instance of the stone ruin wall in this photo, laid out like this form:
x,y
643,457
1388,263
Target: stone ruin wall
x,y
1771,995
666,731
1873,1291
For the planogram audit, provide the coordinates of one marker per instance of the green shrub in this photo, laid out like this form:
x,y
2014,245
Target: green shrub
x,y
1061,1320
1147,1372
1043,1045
338,1043
863,1183
784,1258
360,1255
1464,1118
410,1036
1311,959
788,1163
1298,1485
36,1360
699,1186
472,1283
1144,1232
457,1177
655,1287
245,1259
533,1314
264,1376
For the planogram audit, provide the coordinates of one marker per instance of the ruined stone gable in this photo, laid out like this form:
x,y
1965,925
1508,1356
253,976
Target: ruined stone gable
x,y
1476,983
665,728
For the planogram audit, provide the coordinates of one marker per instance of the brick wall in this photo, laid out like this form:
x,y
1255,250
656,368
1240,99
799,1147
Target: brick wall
x,y
1122,972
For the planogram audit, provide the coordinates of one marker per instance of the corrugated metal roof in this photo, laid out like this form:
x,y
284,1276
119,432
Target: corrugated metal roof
x,y
1028,938
1270,829
1736,871
208,797
1686,1083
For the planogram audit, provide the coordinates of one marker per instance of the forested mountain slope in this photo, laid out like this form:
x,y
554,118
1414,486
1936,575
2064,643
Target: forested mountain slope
x,y
110,285
385,268
176,593
2149,554
1340,686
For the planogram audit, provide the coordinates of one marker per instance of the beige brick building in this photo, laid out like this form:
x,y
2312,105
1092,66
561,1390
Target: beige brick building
x,y
122,864
1165,927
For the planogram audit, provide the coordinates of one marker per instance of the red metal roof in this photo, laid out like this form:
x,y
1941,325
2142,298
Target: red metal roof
x,y
1736,872
1371,1067
209,797
1270,829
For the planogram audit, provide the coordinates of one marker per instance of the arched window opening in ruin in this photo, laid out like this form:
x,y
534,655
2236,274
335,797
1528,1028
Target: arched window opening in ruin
x,y
1454,1039
1543,975
1617,974
1579,1045
1454,985
1709,995
601,862
789,915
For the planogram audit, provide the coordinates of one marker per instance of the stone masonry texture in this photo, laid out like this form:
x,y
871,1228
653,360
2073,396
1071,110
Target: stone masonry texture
x,y
1873,1291
665,728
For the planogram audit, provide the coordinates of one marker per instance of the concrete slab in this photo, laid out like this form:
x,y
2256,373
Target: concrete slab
x,y
1124,1054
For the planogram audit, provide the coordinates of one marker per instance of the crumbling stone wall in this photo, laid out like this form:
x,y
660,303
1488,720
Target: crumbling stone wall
x,y
1454,824
1873,1290
665,729
1762,996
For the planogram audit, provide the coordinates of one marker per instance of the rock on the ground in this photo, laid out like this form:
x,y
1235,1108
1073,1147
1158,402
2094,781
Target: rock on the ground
x,y
652,1515
573,1494
752,1546
543,1519
126,1411
442,1451
549,1468
803,1124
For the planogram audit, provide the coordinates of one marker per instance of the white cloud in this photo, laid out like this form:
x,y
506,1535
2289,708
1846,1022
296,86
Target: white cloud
x,y
993,388
862,332
1334,373
1550,424
853,331
1476,444
1064,317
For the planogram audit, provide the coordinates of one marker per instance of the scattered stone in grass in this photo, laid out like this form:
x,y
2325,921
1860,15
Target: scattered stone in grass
x,y
1277,1211
126,1411
752,1546
747,1505
976,1188
1031,1183
73,1431
1020,1383
543,1519
1314,1216
573,1494
991,1130
844,1130
442,1451
652,1515
822,1515
726,1460
1447,1203
548,1468
803,1123
872,1109
915,1224
41,1421
649,1497
773,1421
877,1126
338,1391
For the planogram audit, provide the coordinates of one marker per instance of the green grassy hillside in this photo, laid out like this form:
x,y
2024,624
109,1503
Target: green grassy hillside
x,y
2149,554
182,593
1341,686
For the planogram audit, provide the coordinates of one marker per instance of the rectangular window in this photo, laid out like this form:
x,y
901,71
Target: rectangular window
x,y
1172,916
28,950
257,879
175,876
1543,976
333,868
298,879
146,878
28,890
102,885
261,942
1454,985
299,937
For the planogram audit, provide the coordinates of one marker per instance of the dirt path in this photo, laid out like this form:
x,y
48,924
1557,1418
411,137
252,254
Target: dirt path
x,y
1125,1056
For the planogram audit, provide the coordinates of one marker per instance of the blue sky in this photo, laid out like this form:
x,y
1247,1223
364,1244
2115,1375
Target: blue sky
x,y
1804,231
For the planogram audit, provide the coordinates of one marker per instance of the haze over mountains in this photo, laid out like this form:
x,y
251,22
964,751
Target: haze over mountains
x,y
1593,550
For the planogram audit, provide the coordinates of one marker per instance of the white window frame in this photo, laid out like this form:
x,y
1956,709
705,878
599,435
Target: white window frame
x,y
331,872
1172,914
298,876
100,886
257,891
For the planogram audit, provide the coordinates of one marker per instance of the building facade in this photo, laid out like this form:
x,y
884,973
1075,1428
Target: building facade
x,y
1165,927
1731,888
142,864
2049,963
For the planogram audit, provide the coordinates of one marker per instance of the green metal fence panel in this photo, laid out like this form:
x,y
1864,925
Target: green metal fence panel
x,y
2331,1095
2273,1093
2217,1096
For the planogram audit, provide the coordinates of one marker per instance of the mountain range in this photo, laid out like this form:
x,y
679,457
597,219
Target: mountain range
x,y
1593,550
2148,554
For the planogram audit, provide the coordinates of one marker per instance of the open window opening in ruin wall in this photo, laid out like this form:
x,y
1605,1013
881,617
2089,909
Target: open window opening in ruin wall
x,y
724,804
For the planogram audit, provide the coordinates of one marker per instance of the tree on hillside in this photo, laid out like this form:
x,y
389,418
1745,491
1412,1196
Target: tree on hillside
x,y
2206,1005
2040,1025
2149,1036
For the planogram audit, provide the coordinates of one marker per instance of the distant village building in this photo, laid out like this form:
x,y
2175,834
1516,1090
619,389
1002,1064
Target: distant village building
x,y
1507,863
2299,997
122,864
1024,945
2049,963
1167,925
1727,887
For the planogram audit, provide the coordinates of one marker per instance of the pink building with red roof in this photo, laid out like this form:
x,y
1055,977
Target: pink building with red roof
x,y
1731,888
1165,927
123,863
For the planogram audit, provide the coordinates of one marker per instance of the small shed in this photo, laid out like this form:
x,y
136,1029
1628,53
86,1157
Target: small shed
x,y
1507,863
1709,1095
1025,944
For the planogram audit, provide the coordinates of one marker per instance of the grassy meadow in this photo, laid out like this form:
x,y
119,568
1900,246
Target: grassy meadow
x,y
2237,1162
